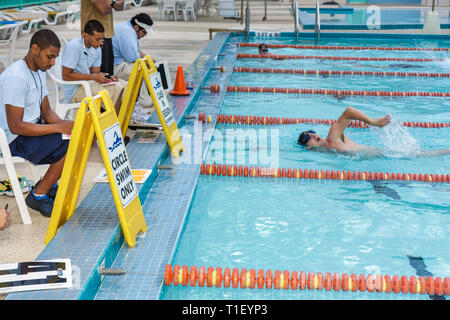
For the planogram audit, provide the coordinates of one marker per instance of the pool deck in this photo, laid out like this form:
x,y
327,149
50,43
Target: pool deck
x,y
92,237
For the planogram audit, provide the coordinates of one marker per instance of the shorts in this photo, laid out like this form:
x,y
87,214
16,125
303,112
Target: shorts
x,y
115,90
47,149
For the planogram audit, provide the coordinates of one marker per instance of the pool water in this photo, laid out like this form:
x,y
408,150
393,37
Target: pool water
x,y
362,227
366,18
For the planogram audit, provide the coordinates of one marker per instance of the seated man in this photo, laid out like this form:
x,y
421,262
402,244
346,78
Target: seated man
x,y
339,142
126,49
33,129
81,60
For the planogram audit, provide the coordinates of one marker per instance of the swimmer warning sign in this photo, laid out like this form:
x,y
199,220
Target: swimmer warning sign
x,y
90,121
120,165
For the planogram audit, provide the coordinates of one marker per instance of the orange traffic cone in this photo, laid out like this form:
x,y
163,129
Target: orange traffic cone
x,y
180,86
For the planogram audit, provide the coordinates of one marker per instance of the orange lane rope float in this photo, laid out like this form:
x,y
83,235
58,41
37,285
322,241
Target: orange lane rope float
x,y
332,92
297,46
340,72
265,120
285,57
267,172
251,279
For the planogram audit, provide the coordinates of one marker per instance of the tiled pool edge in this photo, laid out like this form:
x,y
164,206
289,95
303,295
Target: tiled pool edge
x,y
90,277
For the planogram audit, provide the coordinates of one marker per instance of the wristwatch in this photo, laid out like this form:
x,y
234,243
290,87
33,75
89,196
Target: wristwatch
x,y
113,3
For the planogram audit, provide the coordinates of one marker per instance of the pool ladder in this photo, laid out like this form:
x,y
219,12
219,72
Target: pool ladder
x,y
317,22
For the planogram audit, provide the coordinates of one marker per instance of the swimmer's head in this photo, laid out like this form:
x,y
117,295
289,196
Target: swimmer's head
x,y
262,48
311,139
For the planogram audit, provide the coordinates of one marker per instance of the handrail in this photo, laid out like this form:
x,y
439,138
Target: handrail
x,y
317,21
296,28
247,21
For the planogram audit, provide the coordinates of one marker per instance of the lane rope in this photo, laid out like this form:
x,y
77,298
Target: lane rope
x,y
266,120
340,72
251,279
316,174
286,57
297,46
332,92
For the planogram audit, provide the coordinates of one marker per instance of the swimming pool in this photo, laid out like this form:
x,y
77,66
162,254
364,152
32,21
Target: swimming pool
x,y
370,18
346,227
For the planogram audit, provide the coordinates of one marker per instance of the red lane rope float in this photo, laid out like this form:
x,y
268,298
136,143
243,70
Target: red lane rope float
x,y
267,172
340,72
251,279
265,120
336,92
285,57
296,46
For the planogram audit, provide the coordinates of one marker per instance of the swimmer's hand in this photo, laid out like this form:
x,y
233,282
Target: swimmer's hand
x,y
380,122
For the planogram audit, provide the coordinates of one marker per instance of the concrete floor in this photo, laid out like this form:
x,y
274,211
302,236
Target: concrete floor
x,y
177,42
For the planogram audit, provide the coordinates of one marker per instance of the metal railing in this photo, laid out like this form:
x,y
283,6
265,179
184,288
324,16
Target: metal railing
x,y
296,26
247,21
317,22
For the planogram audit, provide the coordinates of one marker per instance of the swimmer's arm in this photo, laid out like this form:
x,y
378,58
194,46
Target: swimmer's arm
x,y
433,153
354,114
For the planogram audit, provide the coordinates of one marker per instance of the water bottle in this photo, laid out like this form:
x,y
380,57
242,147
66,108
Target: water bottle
x,y
190,82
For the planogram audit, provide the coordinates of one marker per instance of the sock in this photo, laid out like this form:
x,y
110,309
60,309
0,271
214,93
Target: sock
x,y
38,196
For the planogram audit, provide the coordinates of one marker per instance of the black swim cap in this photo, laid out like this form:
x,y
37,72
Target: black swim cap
x,y
304,137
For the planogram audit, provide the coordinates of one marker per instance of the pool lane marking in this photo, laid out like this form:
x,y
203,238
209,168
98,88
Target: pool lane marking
x,y
251,279
267,172
266,120
340,72
419,265
297,46
290,57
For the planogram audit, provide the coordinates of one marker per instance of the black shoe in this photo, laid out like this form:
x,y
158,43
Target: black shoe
x,y
43,204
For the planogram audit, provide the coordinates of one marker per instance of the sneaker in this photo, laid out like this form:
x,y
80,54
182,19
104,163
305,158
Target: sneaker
x,y
43,204
6,187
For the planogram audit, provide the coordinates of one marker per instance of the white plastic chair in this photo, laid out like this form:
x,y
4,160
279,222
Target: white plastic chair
x,y
227,9
8,161
11,42
62,108
185,7
168,6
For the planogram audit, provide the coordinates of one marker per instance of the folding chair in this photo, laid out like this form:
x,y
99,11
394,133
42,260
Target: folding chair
x,y
8,161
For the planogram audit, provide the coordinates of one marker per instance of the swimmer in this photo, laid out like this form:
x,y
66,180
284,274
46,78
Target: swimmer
x,y
262,49
337,141
393,65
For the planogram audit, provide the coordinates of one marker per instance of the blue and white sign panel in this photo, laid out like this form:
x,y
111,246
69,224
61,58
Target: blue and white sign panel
x,y
118,159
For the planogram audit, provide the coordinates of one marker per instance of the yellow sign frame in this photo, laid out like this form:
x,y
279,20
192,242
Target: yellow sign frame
x,y
90,120
145,69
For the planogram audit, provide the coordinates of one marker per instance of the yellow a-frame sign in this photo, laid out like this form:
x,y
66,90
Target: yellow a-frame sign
x,y
106,126
145,69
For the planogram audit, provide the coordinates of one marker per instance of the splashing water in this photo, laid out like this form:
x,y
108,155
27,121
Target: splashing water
x,y
397,140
